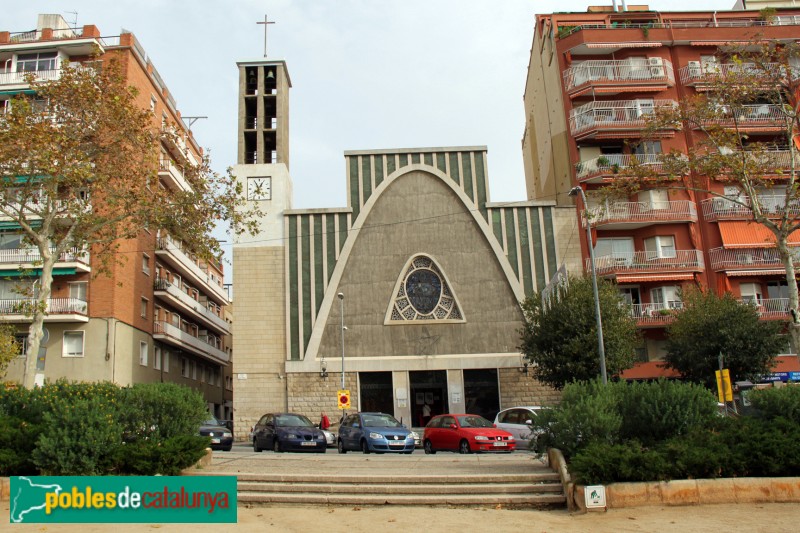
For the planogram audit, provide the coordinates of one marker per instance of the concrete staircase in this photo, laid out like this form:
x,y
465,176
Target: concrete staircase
x,y
537,489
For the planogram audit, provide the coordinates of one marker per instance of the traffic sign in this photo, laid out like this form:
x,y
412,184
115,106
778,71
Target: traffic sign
x,y
343,399
724,390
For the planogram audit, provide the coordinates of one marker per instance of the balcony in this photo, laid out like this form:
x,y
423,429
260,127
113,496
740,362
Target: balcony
x,y
178,297
757,118
607,167
683,261
703,76
172,175
172,253
58,310
770,308
175,336
31,259
655,314
614,119
764,261
715,209
614,77
632,215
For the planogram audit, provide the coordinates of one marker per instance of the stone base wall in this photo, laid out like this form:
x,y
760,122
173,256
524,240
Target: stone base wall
x,y
311,395
517,388
257,394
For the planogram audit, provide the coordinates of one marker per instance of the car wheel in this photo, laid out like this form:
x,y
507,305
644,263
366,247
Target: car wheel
x,y
276,446
256,448
227,448
340,446
364,446
463,447
428,448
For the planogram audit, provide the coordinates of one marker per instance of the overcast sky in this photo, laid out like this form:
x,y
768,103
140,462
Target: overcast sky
x,y
366,74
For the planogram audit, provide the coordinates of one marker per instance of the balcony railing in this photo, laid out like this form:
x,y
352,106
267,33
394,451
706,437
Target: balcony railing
x,y
725,209
184,339
635,262
655,314
624,72
770,307
746,259
750,116
614,115
21,256
697,73
640,212
188,265
168,169
55,306
609,165
710,22
205,311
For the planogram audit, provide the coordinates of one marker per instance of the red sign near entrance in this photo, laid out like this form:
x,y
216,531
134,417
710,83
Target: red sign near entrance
x,y
343,399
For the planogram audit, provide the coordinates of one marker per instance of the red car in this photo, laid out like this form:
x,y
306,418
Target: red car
x,y
467,434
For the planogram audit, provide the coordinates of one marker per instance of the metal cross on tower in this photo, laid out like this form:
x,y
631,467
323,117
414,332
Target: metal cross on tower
x,y
265,23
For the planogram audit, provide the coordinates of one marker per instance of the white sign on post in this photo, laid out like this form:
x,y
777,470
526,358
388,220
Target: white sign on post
x,y
595,496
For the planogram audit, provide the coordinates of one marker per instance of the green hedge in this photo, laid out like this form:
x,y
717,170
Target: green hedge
x,y
67,428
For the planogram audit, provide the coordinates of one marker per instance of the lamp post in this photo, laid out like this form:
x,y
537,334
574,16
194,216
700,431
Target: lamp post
x,y
341,312
575,191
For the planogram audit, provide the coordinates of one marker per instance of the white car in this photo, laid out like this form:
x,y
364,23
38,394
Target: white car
x,y
517,421
330,438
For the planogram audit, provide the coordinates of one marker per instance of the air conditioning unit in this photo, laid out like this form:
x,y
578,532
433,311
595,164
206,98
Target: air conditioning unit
x,y
695,70
656,67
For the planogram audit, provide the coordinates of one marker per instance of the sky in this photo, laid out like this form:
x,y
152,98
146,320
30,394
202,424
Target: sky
x,y
366,74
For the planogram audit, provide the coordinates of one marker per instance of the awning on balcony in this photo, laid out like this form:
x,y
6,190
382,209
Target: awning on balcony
x,y
649,370
756,272
750,235
35,272
666,276
631,44
637,88
717,43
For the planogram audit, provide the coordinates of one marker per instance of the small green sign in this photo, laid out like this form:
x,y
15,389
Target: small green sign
x,y
120,499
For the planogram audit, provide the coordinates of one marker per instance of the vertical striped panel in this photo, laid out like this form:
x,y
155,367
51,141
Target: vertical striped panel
x,y
497,226
466,165
319,263
343,227
403,160
354,186
415,159
480,178
440,162
454,169
330,237
525,249
379,170
305,244
366,179
391,164
294,331
550,241
429,159
511,241
538,247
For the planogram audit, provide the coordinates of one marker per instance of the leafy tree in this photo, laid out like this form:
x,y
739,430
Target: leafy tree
x,y
560,335
710,325
78,172
755,83
9,348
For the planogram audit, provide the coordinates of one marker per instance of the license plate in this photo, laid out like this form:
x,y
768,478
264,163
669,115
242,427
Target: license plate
x,y
308,444
214,441
499,443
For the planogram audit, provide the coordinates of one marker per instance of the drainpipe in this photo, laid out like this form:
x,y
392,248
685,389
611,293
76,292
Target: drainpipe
x,y
624,6
614,5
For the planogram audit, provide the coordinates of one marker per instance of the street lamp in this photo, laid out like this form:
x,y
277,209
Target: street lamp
x,y
575,191
341,312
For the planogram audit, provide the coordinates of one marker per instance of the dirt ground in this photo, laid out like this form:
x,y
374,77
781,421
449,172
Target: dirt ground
x,y
773,518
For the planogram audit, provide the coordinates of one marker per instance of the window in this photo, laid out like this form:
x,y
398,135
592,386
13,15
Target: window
x,y
620,249
751,293
202,374
666,297
165,361
73,344
77,290
157,357
153,103
143,353
146,264
10,240
36,62
22,343
143,307
184,367
655,199
194,370
662,246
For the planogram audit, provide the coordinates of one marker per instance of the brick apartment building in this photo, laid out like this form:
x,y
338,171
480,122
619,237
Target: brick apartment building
x,y
158,316
592,79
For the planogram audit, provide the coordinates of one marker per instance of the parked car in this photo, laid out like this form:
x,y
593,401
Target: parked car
x,y
465,433
374,432
330,437
517,421
221,437
283,432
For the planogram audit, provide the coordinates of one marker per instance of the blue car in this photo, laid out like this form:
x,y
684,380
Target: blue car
x,y
374,432
283,432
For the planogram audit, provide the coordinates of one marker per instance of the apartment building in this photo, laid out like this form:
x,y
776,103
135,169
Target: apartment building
x,y
160,314
592,80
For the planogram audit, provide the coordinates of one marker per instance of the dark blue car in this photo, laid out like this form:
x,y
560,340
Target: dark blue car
x,y
374,432
283,432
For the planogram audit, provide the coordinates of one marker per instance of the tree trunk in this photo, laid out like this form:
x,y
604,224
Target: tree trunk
x,y
35,332
791,282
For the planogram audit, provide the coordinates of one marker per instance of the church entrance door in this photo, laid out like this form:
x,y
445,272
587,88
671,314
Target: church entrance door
x,y
428,395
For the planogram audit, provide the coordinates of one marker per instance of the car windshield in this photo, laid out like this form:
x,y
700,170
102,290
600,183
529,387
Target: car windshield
x,y
211,421
381,421
474,422
294,421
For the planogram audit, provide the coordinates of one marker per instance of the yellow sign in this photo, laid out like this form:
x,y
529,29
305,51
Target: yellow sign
x,y
724,389
343,397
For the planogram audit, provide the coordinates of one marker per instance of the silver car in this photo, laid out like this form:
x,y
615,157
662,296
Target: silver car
x,y
517,421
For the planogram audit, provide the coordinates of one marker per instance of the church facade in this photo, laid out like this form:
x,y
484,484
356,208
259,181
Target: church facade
x,y
408,296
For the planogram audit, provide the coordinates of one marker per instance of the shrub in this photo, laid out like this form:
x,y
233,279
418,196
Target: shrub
x,y
147,458
777,402
159,411
17,442
601,462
